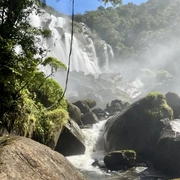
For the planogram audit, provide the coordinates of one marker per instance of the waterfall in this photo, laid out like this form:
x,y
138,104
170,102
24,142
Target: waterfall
x,y
93,150
83,52
110,52
108,55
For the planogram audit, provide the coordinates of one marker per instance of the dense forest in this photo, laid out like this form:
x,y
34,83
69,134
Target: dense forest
x,y
143,33
31,102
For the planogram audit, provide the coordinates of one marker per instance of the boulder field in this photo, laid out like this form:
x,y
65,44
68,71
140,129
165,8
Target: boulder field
x,y
150,127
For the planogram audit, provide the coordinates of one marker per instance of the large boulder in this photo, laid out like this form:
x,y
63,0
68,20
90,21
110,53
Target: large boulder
x,y
74,113
139,127
100,113
167,154
91,103
122,159
116,106
173,101
23,158
89,118
82,105
71,140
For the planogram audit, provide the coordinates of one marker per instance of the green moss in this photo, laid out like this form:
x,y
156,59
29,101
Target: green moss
x,y
49,93
91,103
49,126
23,118
129,154
155,96
70,106
31,119
157,106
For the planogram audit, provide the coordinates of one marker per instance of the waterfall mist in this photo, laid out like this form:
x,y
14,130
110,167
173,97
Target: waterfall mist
x,y
99,74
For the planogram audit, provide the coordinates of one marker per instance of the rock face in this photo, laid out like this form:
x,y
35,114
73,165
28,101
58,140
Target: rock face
x,y
71,141
84,108
116,106
24,159
74,113
118,160
89,118
167,154
100,113
173,100
139,127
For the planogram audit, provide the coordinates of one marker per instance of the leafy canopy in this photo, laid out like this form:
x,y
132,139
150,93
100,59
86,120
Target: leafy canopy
x,y
24,90
114,2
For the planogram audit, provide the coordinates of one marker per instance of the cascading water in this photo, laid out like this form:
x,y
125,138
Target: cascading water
x,y
83,52
108,54
94,150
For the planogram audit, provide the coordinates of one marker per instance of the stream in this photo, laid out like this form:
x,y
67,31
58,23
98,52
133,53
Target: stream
x,y
94,151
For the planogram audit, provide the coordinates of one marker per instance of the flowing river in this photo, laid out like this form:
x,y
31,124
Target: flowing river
x,y
94,151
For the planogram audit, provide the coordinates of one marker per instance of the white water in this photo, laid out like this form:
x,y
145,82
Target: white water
x,y
93,150
83,52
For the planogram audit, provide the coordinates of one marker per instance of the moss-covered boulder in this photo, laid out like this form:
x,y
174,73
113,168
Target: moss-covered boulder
x,y
139,127
24,159
122,159
49,126
74,113
91,103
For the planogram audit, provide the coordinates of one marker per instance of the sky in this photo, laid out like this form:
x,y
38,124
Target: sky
x,y
64,6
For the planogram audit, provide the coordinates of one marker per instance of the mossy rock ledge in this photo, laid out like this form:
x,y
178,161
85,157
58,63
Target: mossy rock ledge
x,y
138,127
23,158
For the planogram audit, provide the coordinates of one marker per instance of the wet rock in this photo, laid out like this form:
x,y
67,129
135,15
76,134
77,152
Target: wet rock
x,y
100,113
99,163
89,118
71,140
24,159
167,154
173,101
84,108
139,127
114,106
91,103
74,113
118,160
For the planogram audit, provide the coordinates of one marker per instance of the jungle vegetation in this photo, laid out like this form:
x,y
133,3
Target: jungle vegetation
x,y
138,32
28,97
30,101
